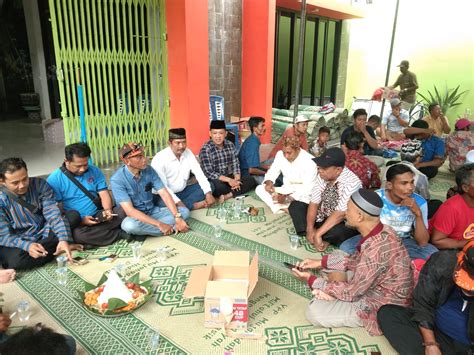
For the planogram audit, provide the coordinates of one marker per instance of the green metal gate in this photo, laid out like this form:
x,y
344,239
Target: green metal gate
x,y
118,50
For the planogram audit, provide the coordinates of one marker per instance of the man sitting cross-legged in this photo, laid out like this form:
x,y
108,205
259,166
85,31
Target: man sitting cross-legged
x,y
403,210
441,320
132,186
299,175
99,222
174,165
32,230
453,224
377,274
221,166
322,221
249,153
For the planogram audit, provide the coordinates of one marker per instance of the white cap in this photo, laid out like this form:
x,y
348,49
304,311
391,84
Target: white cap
x,y
470,157
301,118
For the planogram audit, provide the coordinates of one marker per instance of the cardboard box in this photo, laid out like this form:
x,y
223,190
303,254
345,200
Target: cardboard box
x,y
226,286
241,122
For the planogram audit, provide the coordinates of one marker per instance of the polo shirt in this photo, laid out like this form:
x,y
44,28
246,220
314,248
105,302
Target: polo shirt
x,y
128,188
71,196
392,123
433,147
367,149
249,154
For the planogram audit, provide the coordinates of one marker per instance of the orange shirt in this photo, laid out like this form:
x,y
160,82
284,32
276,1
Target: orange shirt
x,y
289,132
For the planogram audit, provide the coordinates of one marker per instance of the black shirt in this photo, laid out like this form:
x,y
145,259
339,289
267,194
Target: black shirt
x,y
367,149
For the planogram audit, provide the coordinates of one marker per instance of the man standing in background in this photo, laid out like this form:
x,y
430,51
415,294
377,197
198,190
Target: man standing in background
x,y
408,85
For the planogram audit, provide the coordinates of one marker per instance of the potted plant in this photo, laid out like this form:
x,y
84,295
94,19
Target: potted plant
x,y
446,100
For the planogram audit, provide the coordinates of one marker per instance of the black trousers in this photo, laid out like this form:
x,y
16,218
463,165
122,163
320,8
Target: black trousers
x,y
335,236
221,188
19,259
429,171
433,206
97,235
404,334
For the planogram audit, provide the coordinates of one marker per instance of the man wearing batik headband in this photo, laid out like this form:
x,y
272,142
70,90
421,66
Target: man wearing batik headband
x,y
441,320
221,165
174,165
132,186
378,273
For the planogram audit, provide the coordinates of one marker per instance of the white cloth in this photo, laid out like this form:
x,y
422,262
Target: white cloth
x,y
347,183
299,177
175,173
421,180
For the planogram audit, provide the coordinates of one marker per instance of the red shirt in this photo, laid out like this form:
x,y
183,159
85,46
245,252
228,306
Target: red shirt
x,y
365,169
454,218
289,132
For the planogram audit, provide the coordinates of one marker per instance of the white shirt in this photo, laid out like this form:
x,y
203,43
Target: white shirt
x,y
347,184
299,175
175,173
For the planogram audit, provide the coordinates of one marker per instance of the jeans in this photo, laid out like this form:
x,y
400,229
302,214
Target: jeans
x,y
162,214
189,196
414,250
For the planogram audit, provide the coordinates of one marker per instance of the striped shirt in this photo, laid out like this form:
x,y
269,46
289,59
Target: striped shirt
x,y
347,183
19,227
382,275
217,161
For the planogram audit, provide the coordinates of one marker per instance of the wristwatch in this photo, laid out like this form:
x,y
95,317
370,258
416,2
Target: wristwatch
x,y
177,215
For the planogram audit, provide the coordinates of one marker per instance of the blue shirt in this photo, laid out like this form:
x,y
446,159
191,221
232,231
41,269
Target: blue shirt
x,y
19,227
249,154
433,147
71,196
137,190
451,319
401,218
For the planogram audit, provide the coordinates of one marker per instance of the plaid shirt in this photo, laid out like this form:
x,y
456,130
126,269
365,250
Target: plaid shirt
x,y
365,169
382,275
19,227
218,161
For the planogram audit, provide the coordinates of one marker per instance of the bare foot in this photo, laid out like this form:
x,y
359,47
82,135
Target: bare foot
x,y
7,275
221,199
321,247
228,196
79,247
199,205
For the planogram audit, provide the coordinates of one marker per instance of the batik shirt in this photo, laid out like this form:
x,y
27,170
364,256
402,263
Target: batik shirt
x,y
365,169
19,227
382,275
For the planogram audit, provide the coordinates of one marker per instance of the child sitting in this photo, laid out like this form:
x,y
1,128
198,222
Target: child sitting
x,y
320,145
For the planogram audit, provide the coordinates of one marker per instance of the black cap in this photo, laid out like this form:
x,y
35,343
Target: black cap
x,y
218,124
177,133
331,157
368,201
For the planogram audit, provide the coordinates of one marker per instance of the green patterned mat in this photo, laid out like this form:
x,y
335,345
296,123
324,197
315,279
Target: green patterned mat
x,y
276,310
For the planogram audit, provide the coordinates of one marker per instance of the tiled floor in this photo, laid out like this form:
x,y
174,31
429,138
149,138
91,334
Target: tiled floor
x,y
23,138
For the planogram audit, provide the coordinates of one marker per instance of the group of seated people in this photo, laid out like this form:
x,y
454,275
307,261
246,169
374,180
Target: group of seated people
x,y
333,195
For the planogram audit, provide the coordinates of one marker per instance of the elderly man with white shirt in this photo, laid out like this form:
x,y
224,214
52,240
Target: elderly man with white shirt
x,y
299,175
174,166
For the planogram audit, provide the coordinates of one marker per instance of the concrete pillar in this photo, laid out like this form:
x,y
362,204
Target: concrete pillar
x,y
35,44
258,39
188,68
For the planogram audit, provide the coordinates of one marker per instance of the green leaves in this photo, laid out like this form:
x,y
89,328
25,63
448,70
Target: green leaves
x,y
115,303
447,99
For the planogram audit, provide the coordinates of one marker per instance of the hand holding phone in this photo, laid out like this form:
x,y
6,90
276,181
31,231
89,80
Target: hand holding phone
x,y
292,266
79,260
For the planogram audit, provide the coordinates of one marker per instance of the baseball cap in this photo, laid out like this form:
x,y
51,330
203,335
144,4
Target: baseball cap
x,y
464,271
131,149
331,157
404,63
301,118
395,102
462,123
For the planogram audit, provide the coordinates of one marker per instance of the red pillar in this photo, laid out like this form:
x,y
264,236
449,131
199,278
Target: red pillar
x,y
188,68
258,37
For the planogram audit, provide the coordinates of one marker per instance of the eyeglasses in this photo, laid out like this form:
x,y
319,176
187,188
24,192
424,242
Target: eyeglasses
x,y
132,149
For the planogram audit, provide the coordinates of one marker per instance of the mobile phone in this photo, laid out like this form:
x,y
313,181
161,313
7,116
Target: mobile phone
x,y
109,258
79,260
292,266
